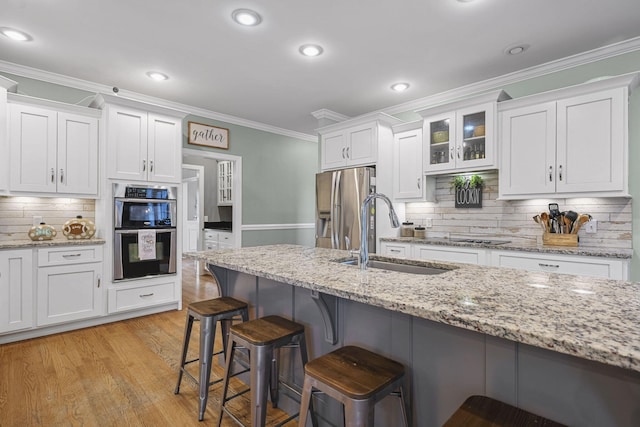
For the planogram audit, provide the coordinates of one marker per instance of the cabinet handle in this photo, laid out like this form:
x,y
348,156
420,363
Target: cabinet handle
x,y
150,165
53,175
144,165
71,255
343,148
550,173
548,265
146,295
99,281
347,152
418,183
451,153
560,172
397,251
458,151
61,176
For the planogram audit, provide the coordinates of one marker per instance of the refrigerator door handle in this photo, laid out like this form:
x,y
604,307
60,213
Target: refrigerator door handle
x,y
333,216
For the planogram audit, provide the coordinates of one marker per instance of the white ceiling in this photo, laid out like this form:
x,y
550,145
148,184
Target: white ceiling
x,y
256,73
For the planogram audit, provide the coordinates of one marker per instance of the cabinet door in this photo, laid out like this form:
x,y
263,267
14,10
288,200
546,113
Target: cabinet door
x,y
591,140
164,149
396,250
16,290
69,292
33,149
407,175
77,154
225,183
333,149
528,150
361,148
127,144
475,146
439,139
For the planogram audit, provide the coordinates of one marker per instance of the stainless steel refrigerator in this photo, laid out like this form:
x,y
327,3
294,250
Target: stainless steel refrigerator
x,y
339,196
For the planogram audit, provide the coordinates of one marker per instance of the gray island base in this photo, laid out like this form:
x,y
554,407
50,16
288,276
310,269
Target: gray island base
x,y
563,347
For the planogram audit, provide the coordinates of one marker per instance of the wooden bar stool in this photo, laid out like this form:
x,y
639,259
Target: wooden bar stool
x,y
358,379
482,411
262,337
209,313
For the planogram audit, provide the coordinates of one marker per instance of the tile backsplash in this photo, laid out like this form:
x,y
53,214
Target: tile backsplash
x,y
513,219
16,214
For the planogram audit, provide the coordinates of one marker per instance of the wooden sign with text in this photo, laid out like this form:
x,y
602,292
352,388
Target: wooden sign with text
x,y
208,136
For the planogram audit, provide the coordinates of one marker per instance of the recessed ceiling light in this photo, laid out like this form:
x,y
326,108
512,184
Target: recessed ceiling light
x,y
16,35
311,50
400,87
157,76
246,17
516,50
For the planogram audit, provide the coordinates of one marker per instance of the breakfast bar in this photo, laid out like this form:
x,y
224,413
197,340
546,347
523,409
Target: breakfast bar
x,y
563,347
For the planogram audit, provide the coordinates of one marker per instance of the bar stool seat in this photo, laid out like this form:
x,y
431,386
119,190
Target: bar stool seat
x,y
262,338
483,411
357,378
209,313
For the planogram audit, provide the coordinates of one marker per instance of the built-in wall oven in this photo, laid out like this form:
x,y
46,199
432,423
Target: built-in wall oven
x,y
144,231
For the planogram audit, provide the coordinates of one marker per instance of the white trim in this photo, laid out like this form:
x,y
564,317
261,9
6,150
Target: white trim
x,y
295,226
325,113
499,82
46,76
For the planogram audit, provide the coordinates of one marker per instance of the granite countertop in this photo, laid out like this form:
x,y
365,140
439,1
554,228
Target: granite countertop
x,y
516,246
594,319
27,243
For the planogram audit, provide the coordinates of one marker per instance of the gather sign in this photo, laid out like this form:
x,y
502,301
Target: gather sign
x,y
208,135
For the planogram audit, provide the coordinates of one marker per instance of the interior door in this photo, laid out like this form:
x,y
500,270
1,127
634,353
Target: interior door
x,y
192,207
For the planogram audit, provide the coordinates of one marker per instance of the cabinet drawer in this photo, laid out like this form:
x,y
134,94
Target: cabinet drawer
x,y
396,250
69,255
211,235
450,254
594,267
141,296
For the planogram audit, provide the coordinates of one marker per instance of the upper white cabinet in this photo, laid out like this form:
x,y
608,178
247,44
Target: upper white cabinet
x,y
354,142
409,182
567,143
16,290
225,183
144,142
460,136
51,150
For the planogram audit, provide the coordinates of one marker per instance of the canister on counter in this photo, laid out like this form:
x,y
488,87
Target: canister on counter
x,y
406,230
420,232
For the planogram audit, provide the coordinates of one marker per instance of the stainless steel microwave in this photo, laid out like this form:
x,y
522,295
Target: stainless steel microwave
x,y
139,207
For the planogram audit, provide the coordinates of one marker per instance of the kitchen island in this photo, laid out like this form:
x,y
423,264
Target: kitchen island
x,y
564,347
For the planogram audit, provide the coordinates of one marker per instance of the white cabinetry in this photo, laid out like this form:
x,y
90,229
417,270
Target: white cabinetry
x,y
214,239
144,142
69,285
395,249
143,294
225,183
459,136
568,143
409,182
354,142
16,290
450,254
563,264
53,151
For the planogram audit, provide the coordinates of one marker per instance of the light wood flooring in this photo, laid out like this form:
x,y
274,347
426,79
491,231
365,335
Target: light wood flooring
x,y
118,374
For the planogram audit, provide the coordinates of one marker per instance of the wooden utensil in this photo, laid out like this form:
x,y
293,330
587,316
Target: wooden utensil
x,y
545,221
578,223
567,224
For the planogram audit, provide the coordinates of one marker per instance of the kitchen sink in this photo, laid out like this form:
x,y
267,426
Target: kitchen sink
x,y
402,266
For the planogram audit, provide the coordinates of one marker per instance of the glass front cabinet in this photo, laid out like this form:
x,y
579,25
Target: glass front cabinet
x,y
460,139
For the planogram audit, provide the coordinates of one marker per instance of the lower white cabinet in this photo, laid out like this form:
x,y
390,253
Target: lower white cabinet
x,y
396,250
563,264
214,239
450,254
141,294
69,285
16,290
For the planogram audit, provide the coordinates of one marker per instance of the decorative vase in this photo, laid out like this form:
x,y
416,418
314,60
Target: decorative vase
x,y
42,232
79,228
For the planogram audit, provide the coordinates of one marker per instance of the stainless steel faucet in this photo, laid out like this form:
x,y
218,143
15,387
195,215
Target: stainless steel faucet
x,y
363,258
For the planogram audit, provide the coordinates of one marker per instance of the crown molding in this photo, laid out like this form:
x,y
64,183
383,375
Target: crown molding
x,y
49,77
328,114
573,61
8,84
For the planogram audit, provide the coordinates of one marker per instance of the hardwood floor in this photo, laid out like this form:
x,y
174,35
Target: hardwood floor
x,y
119,374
